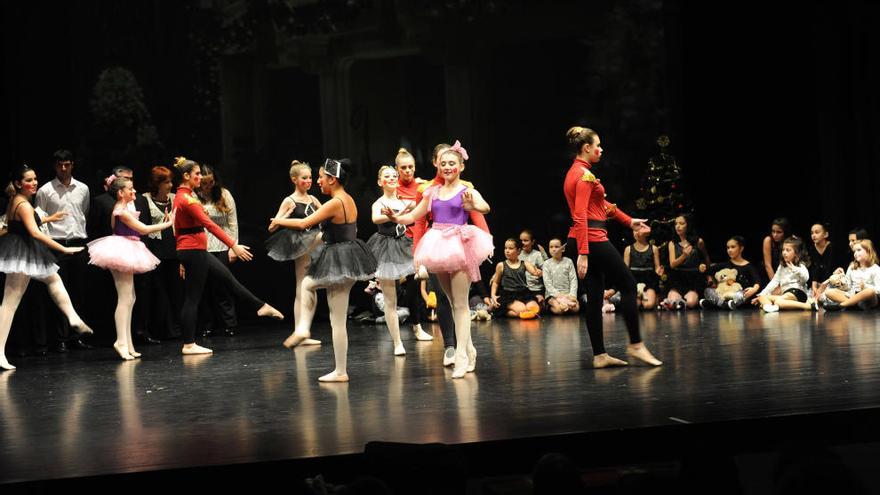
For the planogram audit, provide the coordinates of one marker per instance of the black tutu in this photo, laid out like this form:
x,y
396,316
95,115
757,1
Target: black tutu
x,y
26,255
342,262
647,277
685,281
290,244
506,297
394,258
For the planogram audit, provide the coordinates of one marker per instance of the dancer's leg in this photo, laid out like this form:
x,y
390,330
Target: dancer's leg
x,y
16,284
867,294
456,287
337,300
300,268
308,302
59,295
195,264
389,290
595,282
122,316
222,274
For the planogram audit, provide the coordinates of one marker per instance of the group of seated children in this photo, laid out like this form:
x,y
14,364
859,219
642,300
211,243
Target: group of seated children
x,y
797,276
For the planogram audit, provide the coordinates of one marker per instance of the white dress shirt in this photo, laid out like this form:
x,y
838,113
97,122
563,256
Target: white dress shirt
x,y
74,199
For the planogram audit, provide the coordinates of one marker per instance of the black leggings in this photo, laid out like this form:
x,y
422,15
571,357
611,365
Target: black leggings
x,y
444,310
606,268
198,263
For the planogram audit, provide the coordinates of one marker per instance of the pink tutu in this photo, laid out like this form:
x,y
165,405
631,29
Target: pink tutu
x,y
122,254
449,248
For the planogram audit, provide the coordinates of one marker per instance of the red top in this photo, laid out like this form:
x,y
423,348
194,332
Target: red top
x,y
421,225
586,201
190,214
408,192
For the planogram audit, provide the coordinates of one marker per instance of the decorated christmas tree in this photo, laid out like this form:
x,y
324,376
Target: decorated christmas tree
x,y
662,194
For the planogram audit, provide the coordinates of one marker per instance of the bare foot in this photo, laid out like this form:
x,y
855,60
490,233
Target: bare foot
x,y
122,351
606,361
421,334
81,328
193,349
266,310
641,353
334,377
4,364
399,350
295,339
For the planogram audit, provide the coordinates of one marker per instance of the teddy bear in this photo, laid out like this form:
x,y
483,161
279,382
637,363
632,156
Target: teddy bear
x,y
727,285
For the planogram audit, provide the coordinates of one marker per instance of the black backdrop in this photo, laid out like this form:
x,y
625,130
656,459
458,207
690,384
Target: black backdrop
x,y
772,110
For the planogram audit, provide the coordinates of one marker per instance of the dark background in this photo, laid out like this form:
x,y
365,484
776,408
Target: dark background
x,y
771,110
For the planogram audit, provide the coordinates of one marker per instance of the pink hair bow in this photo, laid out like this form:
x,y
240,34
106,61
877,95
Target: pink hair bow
x,y
109,180
459,148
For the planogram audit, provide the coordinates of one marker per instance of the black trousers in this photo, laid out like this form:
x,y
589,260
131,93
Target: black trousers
x,y
198,265
606,268
166,300
218,304
444,314
72,270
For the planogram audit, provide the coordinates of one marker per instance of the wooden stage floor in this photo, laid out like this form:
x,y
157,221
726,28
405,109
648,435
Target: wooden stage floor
x,y
89,414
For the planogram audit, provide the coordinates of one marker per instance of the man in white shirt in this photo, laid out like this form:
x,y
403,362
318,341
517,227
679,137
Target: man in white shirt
x,y
68,195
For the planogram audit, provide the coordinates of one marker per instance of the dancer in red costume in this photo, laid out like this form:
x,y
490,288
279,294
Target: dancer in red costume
x,y
588,238
190,222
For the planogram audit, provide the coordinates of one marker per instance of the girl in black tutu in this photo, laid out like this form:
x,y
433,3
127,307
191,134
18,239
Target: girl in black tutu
x,y
296,245
689,260
392,250
336,264
24,254
643,260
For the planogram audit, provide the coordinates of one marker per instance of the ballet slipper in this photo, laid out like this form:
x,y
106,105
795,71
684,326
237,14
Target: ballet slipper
x,y
4,364
266,310
606,361
399,350
295,339
122,350
421,334
641,353
472,358
334,377
449,356
195,349
461,364
311,342
81,328
134,354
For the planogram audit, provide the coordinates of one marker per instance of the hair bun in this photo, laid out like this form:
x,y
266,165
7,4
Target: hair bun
x,y
179,161
402,150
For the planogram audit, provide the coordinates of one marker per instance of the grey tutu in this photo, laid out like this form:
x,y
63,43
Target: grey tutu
x,y
394,259
26,255
290,244
341,262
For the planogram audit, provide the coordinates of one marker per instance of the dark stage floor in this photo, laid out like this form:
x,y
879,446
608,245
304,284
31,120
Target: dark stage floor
x,y
87,413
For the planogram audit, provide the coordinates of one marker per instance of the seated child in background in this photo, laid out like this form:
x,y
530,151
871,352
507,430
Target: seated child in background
x,y
643,260
560,280
536,257
790,278
509,290
859,285
737,279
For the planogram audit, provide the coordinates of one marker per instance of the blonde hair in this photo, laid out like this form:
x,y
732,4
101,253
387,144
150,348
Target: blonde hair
x,y
383,168
868,246
578,136
297,168
440,147
403,153
184,165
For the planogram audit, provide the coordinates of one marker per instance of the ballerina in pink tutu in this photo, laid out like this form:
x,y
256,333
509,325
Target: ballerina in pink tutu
x,y
124,254
451,248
